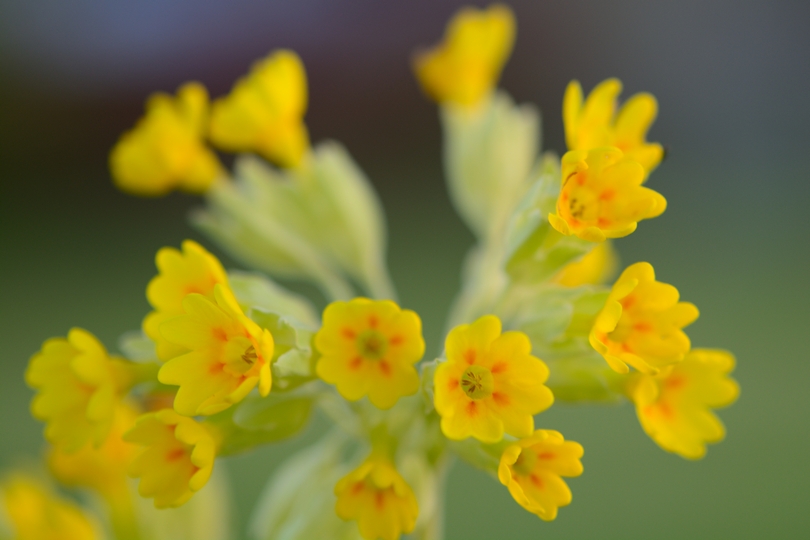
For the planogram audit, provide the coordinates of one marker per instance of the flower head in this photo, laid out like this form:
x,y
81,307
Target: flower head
x,y
594,268
177,458
674,407
78,388
228,354
36,513
369,347
192,270
594,123
532,469
466,66
165,150
601,195
641,323
264,112
378,498
490,383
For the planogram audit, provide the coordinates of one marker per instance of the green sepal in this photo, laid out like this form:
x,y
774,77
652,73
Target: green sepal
x,y
256,291
294,354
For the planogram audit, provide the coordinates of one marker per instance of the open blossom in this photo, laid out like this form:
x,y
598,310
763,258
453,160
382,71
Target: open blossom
x,y
641,323
674,407
78,388
369,347
532,469
465,67
602,196
490,383
594,123
166,150
176,459
378,498
594,268
264,112
192,270
228,354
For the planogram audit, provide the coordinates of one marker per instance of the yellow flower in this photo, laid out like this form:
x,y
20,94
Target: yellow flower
x,y
78,387
490,383
674,407
532,469
228,354
369,347
165,150
602,196
594,123
378,498
177,459
192,270
593,269
466,66
37,514
641,323
264,112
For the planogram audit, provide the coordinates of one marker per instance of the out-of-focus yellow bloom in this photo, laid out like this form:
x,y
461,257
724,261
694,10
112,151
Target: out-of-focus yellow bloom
x,y
641,323
465,67
228,354
378,498
532,469
192,270
165,150
37,514
490,383
264,112
369,347
596,267
602,196
594,123
177,459
78,388
674,407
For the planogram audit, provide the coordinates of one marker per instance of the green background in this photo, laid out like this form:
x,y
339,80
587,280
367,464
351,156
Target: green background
x,y
732,81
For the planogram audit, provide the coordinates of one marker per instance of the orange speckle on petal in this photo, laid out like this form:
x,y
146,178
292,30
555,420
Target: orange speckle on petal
x,y
603,222
499,367
174,455
348,333
673,383
357,488
469,356
396,340
536,481
373,321
216,368
452,384
471,408
642,327
385,367
546,455
379,500
500,398
607,195
356,363
219,334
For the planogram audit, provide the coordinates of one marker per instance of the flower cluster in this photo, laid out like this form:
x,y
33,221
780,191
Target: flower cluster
x,y
227,361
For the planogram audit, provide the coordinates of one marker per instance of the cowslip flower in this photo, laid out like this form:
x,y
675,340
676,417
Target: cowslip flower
x,y
464,68
674,407
594,123
592,269
378,498
166,150
35,513
602,196
532,469
264,112
228,354
192,270
369,347
490,383
78,388
177,457
641,323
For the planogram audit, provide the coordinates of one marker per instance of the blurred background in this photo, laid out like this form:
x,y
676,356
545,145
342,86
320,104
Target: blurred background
x,y
733,83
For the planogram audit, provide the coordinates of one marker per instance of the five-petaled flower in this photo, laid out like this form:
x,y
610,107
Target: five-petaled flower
x,y
228,354
369,347
532,469
602,196
466,66
595,123
674,407
192,270
78,388
641,323
490,383
264,112
176,459
166,150
378,498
